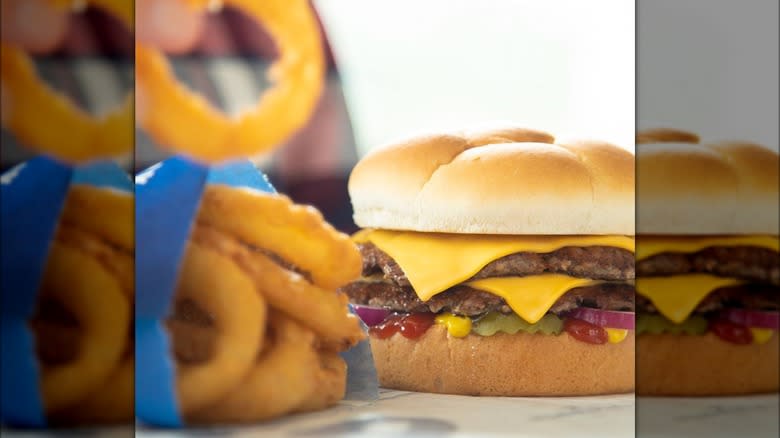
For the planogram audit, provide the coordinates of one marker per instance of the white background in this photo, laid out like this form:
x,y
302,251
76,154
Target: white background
x,y
410,65
709,66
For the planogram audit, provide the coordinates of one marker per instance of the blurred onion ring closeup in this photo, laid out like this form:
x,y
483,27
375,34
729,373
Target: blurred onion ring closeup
x,y
185,122
95,300
113,402
83,321
71,133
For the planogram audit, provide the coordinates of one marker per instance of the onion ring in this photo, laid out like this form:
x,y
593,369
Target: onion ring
x,y
278,384
119,263
184,122
328,314
331,376
218,286
113,402
94,297
274,223
107,213
33,101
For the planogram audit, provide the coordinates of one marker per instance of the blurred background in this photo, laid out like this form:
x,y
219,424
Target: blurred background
x,y
710,67
394,69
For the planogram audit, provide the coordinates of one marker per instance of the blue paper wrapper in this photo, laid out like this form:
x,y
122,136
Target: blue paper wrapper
x,y
167,199
33,194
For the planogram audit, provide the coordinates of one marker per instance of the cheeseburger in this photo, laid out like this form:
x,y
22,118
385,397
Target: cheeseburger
x,y
708,267
497,262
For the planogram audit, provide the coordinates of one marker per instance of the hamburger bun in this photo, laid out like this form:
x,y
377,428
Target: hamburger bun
x,y
504,365
722,188
683,365
495,181
666,135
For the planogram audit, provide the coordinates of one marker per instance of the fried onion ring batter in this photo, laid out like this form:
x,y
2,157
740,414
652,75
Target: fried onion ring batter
x,y
95,299
279,382
296,233
218,286
285,291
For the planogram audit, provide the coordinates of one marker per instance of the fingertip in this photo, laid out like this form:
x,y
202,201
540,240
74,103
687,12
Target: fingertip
x,y
170,25
34,25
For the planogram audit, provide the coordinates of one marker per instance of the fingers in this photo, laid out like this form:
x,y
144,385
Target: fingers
x,y
170,25
33,25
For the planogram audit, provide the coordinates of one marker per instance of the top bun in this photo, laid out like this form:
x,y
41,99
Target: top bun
x,y
717,188
500,180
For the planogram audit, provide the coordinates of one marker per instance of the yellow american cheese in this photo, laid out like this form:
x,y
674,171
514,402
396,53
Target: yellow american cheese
x,y
648,246
434,262
676,296
532,296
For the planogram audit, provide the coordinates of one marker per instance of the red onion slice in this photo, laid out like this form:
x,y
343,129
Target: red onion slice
x,y
605,318
371,315
753,318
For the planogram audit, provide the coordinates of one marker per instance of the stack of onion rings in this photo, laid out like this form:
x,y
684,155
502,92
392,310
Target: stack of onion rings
x,y
284,255
84,317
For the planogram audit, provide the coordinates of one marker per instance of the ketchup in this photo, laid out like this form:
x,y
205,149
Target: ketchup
x,y
585,331
731,332
411,326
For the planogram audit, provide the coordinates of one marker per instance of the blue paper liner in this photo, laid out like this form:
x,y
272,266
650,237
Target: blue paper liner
x,y
32,197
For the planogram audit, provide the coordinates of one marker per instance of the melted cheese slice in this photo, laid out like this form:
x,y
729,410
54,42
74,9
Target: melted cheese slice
x,y
675,297
434,262
648,246
532,296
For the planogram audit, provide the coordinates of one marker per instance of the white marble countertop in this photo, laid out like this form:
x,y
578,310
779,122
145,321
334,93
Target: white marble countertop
x,y
398,413
711,417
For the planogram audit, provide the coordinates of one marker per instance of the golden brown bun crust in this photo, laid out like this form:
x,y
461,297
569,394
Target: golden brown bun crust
x,y
709,188
680,365
503,365
503,180
666,135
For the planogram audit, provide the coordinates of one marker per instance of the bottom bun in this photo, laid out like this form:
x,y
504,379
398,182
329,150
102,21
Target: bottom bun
x,y
687,365
503,365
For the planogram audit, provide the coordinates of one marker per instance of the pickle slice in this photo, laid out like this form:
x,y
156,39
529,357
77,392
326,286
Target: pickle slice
x,y
495,322
656,324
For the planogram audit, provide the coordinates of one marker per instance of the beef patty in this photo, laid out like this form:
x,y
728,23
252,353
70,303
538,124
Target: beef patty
x,y
761,265
596,262
464,300
746,296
